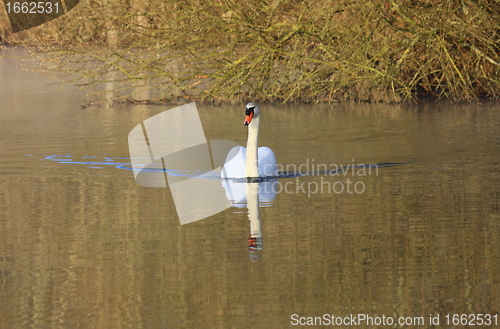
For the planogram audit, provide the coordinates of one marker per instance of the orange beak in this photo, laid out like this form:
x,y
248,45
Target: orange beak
x,y
248,118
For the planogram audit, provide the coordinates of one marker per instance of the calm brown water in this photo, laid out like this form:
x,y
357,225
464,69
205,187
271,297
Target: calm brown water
x,y
83,246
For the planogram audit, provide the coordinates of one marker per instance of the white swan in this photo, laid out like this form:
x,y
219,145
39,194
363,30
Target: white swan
x,y
254,161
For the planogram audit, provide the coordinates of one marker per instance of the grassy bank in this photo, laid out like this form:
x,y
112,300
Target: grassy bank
x,y
381,50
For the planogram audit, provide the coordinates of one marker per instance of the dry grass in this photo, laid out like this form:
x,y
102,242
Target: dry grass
x,y
283,51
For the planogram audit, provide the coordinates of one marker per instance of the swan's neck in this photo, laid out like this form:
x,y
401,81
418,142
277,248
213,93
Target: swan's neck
x,y
251,166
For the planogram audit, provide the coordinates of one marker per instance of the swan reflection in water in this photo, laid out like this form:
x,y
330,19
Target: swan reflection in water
x,y
252,196
255,243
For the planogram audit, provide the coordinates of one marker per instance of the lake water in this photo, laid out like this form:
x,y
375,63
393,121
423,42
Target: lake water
x,y
82,245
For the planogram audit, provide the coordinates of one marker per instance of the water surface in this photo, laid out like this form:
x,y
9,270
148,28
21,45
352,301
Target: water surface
x,y
83,246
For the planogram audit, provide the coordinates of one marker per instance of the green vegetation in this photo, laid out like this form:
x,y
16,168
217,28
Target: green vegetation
x,y
380,50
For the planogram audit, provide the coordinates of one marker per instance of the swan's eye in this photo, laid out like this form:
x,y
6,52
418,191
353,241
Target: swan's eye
x,y
249,109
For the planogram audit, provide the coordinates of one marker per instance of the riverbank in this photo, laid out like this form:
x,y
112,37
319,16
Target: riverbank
x,y
377,51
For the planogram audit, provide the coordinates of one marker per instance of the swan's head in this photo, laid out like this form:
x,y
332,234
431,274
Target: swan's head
x,y
252,110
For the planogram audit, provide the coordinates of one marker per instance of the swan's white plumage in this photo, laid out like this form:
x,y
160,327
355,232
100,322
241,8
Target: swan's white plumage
x,y
234,166
252,161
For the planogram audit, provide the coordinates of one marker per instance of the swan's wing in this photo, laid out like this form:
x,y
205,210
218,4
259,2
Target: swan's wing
x,y
267,162
234,166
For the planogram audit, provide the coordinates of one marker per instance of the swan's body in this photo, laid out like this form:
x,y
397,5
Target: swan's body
x,y
236,163
252,161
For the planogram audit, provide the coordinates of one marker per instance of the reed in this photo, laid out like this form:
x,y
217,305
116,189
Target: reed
x,y
373,50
